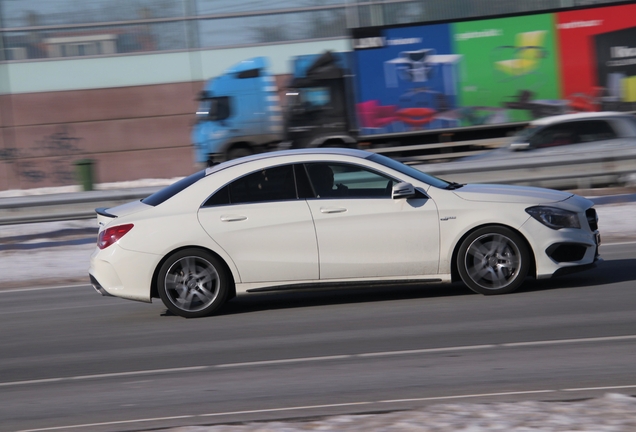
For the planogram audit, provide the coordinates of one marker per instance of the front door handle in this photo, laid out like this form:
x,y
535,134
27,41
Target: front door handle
x,y
332,210
233,218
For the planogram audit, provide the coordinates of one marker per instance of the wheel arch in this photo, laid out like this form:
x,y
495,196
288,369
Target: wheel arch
x,y
154,291
334,141
238,145
454,269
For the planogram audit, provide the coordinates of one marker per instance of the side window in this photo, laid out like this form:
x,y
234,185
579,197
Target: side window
x,y
557,135
221,197
596,130
302,182
332,180
271,184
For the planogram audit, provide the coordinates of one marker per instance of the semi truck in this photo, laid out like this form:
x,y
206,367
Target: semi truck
x,y
428,83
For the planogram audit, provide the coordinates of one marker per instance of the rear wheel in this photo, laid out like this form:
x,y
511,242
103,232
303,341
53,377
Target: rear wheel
x,y
493,260
238,152
192,283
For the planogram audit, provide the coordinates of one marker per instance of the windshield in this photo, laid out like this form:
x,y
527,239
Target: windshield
x,y
213,108
524,134
309,98
409,171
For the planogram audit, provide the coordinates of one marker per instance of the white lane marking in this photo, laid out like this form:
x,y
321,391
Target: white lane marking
x,y
426,350
260,411
30,311
569,341
282,361
136,373
600,388
317,359
311,407
15,290
617,243
108,375
511,393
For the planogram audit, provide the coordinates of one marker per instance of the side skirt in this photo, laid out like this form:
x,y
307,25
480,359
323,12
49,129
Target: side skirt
x,y
346,284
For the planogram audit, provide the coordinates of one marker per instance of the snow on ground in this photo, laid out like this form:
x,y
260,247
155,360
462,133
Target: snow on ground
x,y
98,186
611,413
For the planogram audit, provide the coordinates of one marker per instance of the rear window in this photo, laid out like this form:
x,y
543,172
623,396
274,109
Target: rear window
x,y
168,192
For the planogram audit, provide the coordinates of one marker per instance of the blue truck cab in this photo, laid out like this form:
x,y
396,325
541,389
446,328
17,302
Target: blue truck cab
x,y
238,113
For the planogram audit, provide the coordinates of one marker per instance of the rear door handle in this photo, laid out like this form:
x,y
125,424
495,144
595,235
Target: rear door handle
x,y
332,210
233,218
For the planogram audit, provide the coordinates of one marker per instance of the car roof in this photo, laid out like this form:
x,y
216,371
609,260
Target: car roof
x,y
577,116
275,154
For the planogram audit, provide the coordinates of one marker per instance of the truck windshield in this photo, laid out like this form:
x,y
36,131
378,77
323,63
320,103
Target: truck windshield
x,y
214,108
309,98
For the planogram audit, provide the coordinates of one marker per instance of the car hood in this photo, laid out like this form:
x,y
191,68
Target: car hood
x,y
510,194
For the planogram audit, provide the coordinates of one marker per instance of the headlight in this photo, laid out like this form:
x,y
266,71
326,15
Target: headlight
x,y
554,218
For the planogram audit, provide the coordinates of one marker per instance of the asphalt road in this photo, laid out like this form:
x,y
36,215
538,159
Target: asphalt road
x,y
72,360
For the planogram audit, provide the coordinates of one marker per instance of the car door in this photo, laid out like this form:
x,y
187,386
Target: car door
x,y
363,232
267,231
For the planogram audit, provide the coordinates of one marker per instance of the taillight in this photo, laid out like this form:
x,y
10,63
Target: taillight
x,y
112,235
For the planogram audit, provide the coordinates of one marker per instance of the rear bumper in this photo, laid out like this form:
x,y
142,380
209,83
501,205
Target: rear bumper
x,y
100,289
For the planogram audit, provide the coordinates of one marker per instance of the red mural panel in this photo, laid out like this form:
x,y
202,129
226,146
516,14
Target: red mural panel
x,y
577,32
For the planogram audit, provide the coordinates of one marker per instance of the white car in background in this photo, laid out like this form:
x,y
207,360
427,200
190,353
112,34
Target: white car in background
x,y
570,134
307,218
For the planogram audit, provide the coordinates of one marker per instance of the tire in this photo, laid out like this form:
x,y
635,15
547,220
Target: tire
x,y
493,260
192,283
238,152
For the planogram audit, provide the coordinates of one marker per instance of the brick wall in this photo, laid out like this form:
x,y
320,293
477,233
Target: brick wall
x,y
129,133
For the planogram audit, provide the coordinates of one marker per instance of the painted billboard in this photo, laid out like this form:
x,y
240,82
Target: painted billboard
x,y
494,71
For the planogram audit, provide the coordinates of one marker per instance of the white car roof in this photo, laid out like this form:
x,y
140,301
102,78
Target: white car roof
x,y
313,151
577,116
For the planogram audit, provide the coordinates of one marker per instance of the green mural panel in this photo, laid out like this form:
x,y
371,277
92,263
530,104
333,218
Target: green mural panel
x,y
509,69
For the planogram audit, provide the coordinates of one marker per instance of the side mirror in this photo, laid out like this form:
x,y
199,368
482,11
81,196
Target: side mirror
x,y
403,190
522,146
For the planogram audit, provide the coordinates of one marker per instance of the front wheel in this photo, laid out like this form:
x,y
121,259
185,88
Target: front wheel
x,y
493,260
192,283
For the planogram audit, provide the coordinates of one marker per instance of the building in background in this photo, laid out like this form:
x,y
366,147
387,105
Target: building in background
x,y
116,80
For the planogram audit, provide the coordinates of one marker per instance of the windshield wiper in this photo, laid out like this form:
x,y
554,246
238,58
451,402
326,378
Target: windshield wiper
x,y
453,186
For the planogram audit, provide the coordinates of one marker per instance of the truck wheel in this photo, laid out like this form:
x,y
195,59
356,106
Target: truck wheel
x,y
238,152
493,260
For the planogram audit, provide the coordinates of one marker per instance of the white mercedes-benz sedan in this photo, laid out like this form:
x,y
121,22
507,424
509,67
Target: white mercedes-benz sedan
x,y
305,218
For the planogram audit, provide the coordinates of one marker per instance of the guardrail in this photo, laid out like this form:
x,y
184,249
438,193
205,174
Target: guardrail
x,y
594,169
562,169
67,206
444,151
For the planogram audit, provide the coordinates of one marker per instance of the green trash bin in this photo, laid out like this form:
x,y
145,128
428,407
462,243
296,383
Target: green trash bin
x,y
84,172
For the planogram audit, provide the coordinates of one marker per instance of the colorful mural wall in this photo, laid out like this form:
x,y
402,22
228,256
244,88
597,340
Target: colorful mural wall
x,y
494,71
